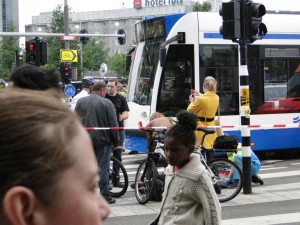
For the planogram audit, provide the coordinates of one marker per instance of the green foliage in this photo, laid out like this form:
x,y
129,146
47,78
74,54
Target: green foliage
x,y
204,7
8,47
54,44
93,54
117,63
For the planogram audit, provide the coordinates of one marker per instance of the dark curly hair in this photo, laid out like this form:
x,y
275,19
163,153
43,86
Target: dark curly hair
x,y
184,128
34,78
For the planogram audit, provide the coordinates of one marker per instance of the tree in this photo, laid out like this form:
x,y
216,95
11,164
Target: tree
x,y
94,53
8,47
54,44
204,7
117,63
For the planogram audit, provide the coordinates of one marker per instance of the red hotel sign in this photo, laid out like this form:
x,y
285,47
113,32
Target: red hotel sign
x,y
137,4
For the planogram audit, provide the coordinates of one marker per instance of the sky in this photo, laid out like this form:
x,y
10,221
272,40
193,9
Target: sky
x,y
29,8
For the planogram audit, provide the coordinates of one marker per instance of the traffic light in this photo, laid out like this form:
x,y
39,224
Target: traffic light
x,y
254,27
32,52
121,40
231,26
65,72
36,52
83,40
42,52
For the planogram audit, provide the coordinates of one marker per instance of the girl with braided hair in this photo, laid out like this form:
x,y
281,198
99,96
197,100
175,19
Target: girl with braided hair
x,y
189,196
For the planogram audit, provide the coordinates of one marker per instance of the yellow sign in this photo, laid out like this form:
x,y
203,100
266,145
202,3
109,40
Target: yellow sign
x,y
68,55
245,97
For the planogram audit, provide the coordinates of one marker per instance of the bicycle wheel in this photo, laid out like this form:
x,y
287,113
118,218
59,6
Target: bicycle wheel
x,y
226,188
145,181
118,183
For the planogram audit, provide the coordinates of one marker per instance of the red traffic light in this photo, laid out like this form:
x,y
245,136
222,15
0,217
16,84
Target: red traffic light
x,y
67,68
31,47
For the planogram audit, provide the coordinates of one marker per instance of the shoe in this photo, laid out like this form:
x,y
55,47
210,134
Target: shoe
x,y
140,184
111,201
133,152
257,180
118,184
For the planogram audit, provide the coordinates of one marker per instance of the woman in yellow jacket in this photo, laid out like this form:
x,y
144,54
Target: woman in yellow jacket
x,y
205,107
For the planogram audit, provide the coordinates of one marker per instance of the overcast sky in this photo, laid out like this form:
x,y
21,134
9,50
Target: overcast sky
x,y
29,8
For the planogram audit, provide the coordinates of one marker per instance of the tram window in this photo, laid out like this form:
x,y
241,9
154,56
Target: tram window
x,y
281,92
177,80
221,62
281,52
146,72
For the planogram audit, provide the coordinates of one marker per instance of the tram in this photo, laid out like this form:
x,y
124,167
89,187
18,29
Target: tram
x,y
162,84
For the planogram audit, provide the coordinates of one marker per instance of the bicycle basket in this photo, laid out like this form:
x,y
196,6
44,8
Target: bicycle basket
x,y
226,142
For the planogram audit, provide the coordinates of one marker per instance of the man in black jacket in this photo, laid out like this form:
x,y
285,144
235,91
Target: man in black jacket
x,y
97,111
122,114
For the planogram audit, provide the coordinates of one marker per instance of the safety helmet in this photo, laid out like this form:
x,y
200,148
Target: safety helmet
x,y
2,83
87,81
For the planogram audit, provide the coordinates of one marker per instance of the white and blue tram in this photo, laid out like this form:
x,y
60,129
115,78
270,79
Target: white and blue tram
x,y
273,65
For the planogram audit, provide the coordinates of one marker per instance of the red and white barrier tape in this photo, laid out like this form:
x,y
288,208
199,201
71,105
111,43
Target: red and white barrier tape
x,y
274,126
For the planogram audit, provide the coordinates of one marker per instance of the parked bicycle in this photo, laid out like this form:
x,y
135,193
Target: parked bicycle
x,y
226,176
149,179
118,183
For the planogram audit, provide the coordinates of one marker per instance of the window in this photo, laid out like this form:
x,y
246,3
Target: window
x,y
221,62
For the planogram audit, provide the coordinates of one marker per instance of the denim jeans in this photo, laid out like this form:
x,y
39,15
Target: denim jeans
x,y
117,153
103,153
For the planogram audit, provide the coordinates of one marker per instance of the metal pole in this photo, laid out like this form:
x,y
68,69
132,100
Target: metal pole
x,y
245,105
66,23
18,34
81,59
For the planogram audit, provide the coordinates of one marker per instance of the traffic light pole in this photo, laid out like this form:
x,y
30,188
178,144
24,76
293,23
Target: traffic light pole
x,y
66,23
245,104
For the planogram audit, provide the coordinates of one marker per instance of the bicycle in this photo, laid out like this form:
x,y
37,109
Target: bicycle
x,y
118,183
221,170
147,179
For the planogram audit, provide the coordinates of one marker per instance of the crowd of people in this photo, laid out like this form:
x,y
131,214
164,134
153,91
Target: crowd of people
x,y
50,160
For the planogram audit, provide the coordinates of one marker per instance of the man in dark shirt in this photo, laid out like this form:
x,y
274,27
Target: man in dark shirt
x,y
97,111
122,110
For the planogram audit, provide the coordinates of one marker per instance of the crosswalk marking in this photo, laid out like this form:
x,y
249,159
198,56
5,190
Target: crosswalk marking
x,y
272,168
266,220
127,205
281,174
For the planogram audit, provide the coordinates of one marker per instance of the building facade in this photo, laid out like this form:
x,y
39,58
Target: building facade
x,y
9,15
110,21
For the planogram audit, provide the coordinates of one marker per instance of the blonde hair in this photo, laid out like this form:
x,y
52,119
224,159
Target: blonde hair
x,y
210,84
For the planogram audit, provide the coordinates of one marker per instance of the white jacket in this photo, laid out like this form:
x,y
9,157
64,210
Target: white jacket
x,y
81,94
189,196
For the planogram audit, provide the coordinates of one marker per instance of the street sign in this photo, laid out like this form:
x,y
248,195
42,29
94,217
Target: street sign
x,y
69,90
68,38
68,55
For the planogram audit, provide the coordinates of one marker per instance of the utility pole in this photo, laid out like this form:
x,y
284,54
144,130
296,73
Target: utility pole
x,y
242,24
66,23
